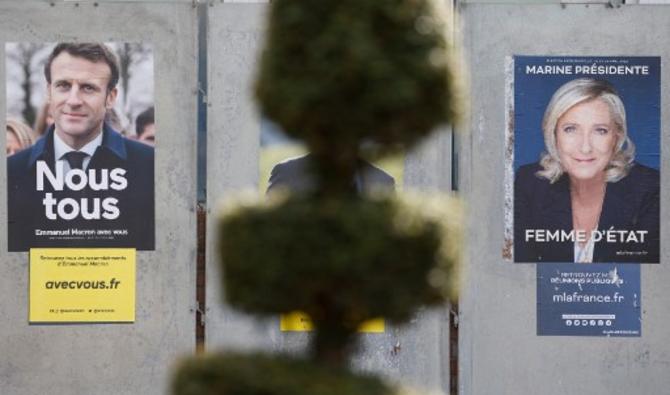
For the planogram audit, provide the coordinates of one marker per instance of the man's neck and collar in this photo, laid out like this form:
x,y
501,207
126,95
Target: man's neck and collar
x,y
76,143
61,148
111,140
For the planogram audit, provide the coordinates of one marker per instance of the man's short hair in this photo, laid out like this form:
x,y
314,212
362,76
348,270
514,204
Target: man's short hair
x,y
93,52
145,118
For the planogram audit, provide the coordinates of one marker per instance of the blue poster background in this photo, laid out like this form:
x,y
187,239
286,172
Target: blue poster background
x,y
598,299
641,95
546,208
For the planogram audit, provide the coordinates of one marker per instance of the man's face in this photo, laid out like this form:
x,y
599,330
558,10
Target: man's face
x,y
78,98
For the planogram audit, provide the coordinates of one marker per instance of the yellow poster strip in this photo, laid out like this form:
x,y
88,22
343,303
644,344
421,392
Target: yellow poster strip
x,y
82,285
377,325
300,322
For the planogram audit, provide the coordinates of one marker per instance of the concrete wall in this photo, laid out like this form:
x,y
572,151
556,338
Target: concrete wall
x,y
499,350
416,354
114,358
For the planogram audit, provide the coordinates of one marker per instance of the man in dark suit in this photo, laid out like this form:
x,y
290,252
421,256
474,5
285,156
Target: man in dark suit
x,y
82,184
294,175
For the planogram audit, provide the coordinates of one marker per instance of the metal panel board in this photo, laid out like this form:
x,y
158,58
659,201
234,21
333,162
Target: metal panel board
x,y
416,354
500,352
104,358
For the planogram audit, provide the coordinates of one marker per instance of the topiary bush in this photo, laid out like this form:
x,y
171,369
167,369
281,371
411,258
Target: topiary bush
x,y
341,75
341,261
337,73
258,374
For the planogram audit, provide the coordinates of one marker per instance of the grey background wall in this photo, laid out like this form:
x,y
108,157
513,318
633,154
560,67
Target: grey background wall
x,y
417,354
114,358
499,350
234,36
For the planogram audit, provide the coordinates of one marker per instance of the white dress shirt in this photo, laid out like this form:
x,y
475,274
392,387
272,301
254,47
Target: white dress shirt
x,y
584,254
61,148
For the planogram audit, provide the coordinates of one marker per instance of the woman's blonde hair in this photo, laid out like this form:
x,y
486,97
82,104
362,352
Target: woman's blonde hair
x,y
569,95
23,133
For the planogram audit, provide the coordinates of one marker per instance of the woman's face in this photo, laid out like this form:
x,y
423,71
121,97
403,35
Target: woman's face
x,y
585,138
13,145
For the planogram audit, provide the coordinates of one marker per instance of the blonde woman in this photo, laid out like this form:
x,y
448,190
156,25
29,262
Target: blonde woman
x,y
19,137
586,200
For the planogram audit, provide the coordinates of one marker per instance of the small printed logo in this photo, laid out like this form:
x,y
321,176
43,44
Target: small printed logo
x,y
588,320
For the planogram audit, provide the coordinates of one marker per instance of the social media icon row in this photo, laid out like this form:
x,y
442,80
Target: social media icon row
x,y
588,322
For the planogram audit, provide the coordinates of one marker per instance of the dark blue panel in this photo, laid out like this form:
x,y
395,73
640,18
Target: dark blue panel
x,y
588,299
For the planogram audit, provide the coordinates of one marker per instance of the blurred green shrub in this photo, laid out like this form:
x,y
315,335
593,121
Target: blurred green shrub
x,y
257,374
341,261
338,73
349,78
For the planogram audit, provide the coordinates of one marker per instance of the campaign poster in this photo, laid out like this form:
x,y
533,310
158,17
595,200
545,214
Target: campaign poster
x,y
588,300
80,135
82,285
286,165
583,158
285,168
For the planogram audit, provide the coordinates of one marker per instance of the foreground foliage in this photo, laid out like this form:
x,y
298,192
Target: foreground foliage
x,y
258,374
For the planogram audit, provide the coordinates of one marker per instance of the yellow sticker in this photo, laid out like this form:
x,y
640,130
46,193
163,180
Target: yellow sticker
x,y
300,322
295,322
378,325
82,285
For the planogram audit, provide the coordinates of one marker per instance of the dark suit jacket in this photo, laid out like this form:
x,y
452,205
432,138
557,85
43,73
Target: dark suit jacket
x,y
134,226
294,174
631,204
